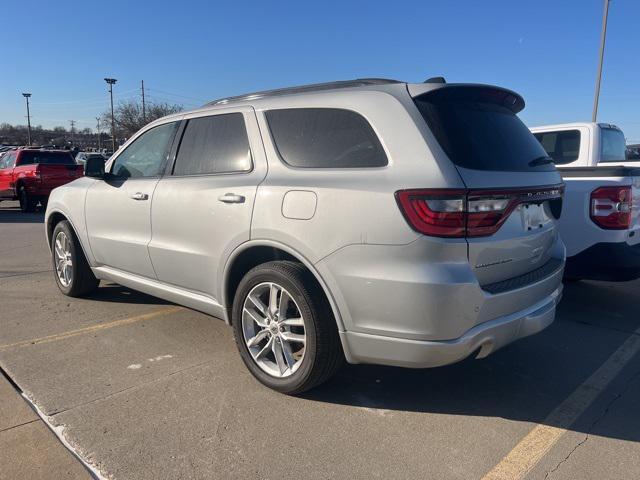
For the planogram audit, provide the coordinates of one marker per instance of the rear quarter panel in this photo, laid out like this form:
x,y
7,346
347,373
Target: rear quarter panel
x,y
577,229
353,206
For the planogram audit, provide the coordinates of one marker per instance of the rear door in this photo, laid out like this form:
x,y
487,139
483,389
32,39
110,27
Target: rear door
x,y
202,208
507,172
118,208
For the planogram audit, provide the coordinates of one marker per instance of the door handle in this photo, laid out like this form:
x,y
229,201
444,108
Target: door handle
x,y
140,196
231,198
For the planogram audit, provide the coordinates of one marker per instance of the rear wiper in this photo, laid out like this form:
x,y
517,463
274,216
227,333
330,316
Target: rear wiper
x,y
536,162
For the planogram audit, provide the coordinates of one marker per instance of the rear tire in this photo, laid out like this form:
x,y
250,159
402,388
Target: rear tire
x,y
71,269
27,203
309,318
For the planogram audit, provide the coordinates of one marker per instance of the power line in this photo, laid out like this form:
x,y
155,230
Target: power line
x,y
175,94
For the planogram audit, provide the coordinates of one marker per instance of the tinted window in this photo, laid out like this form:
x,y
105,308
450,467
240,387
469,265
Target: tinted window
x,y
32,157
145,157
216,144
612,145
325,138
563,147
478,129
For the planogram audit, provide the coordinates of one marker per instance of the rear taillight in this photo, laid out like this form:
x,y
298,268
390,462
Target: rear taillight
x,y
35,173
466,213
611,207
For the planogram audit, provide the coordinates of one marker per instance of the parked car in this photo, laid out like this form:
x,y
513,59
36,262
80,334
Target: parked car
x,y
30,175
81,157
372,220
600,224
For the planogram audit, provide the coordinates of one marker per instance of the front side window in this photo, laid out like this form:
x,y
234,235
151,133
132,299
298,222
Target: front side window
x,y
146,156
7,161
215,144
325,138
562,146
613,146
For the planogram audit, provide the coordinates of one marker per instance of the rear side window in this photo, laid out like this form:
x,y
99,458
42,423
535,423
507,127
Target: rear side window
x,y
613,147
216,144
563,146
478,129
60,158
325,138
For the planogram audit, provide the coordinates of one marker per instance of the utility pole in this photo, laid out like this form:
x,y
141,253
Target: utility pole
x,y
26,96
144,110
111,82
99,134
603,37
73,124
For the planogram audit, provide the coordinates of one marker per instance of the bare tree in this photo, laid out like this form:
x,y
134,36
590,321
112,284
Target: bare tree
x,y
128,116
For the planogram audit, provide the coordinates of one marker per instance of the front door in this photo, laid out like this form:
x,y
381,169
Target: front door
x,y
118,208
202,210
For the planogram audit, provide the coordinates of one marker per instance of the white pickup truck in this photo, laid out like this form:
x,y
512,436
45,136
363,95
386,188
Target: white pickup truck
x,y
600,222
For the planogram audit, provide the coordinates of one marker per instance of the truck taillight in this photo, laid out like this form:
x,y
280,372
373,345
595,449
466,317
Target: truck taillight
x,y
457,213
611,207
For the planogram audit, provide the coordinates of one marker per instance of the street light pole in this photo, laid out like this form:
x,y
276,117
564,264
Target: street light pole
x,y
26,96
99,134
603,37
111,82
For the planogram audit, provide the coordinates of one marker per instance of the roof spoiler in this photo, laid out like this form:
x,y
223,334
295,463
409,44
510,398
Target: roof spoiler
x,y
473,91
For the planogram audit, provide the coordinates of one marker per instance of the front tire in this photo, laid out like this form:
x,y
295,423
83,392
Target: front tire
x,y
72,272
284,328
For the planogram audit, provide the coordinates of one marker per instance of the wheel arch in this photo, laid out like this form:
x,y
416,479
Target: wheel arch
x,y
256,252
55,217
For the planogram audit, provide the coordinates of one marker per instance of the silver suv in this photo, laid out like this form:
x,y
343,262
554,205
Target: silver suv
x,y
371,220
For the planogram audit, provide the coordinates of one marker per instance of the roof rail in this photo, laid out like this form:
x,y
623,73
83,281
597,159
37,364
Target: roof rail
x,y
315,87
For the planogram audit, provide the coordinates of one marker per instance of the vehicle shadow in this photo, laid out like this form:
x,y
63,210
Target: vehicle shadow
x,y
525,381
10,213
112,292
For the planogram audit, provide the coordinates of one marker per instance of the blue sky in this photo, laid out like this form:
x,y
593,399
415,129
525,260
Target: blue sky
x,y
192,51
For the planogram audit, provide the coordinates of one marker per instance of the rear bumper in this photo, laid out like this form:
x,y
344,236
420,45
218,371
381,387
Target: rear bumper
x,y
483,339
612,262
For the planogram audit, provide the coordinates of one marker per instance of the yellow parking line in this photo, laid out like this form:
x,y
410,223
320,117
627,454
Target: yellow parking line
x,y
526,454
94,328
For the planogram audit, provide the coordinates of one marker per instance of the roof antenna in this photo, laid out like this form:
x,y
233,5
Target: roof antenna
x,y
435,80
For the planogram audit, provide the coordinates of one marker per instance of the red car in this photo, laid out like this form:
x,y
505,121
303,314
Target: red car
x,y
30,175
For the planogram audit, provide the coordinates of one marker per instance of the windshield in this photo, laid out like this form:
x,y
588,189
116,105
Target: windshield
x,y
613,147
60,158
478,130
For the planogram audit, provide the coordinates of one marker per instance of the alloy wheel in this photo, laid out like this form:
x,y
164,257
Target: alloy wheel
x,y
62,258
274,329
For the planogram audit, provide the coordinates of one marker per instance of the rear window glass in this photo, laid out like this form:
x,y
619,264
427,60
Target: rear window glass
x,y
477,130
612,145
563,146
325,138
60,158
216,144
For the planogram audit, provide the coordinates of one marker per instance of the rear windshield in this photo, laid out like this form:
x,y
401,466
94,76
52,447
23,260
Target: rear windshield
x,y
60,158
477,129
613,146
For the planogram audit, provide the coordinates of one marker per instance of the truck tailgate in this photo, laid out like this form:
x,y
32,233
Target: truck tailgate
x,y
55,175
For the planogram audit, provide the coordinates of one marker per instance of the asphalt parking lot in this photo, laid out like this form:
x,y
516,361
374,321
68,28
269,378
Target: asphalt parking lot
x,y
143,389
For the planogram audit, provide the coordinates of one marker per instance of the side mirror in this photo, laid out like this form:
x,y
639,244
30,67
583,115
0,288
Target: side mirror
x,y
94,167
